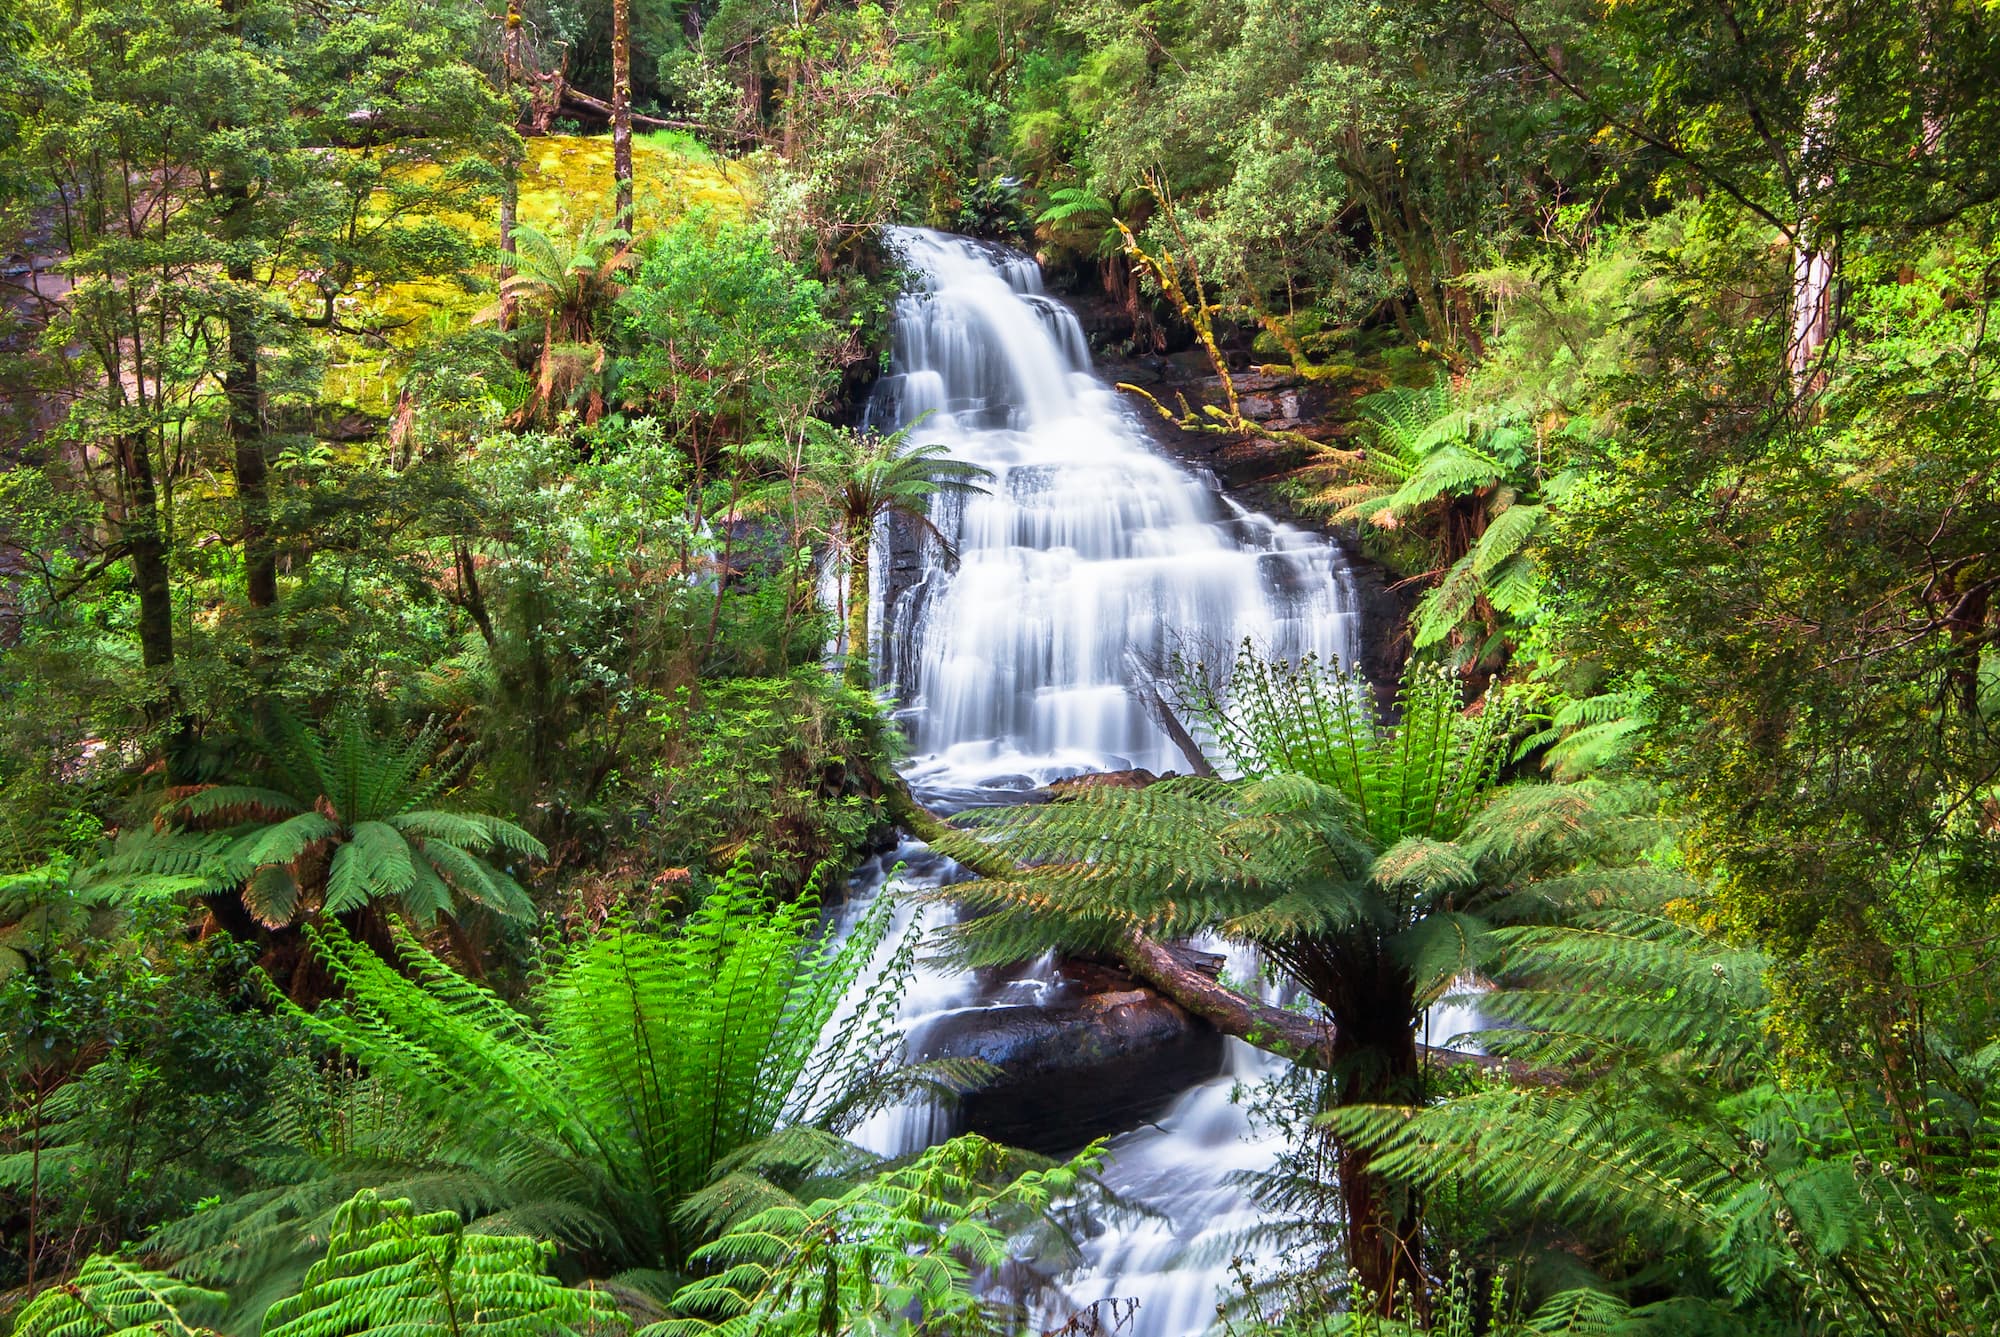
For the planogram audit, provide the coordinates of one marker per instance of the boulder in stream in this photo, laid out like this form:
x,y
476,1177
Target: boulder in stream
x,y
1078,1070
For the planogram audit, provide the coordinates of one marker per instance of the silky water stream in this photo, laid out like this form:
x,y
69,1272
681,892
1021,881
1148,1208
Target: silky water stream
x,y
1089,562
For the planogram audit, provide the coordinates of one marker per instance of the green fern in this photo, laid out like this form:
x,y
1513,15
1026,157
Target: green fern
x,y
896,1254
114,1297
1073,203
339,821
388,1270
659,1086
49,907
391,1270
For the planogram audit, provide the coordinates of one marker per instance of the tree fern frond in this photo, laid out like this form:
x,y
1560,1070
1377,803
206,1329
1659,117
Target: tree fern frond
x,y
374,861
114,1297
1506,534
389,1270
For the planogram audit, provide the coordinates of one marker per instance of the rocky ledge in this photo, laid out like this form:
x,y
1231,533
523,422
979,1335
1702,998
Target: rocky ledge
x,y
1107,1058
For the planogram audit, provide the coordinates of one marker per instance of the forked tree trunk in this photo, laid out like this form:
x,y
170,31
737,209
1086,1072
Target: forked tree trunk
x,y
621,108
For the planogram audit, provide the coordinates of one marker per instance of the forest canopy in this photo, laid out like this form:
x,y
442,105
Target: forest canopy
x,y
463,553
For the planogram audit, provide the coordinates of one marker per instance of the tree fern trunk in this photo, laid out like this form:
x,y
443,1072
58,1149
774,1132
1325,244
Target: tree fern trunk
x,y
1374,1063
858,674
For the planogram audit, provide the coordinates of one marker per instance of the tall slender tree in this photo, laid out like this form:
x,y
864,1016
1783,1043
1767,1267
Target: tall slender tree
x,y
621,108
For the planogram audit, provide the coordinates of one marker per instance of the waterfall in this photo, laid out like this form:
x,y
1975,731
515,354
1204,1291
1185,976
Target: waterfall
x,y
1089,562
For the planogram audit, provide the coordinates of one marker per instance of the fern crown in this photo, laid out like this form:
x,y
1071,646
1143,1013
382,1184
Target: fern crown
x,y
342,819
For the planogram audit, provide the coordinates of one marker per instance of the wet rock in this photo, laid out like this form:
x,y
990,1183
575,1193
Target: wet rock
x,y
1076,1071
1137,778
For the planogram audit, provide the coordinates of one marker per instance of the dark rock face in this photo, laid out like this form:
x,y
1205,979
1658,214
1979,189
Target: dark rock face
x,y
1075,1071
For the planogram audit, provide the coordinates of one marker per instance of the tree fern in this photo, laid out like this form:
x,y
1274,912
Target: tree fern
x,y
1785,1199
390,1270
1464,502
339,821
871,479
1368,860
112,1296
658,1085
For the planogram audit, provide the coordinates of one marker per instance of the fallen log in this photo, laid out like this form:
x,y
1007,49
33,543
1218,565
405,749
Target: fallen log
x,y
571,93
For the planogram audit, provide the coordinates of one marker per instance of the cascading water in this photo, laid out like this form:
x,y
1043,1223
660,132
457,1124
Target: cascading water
x,y
1089,561
1087,564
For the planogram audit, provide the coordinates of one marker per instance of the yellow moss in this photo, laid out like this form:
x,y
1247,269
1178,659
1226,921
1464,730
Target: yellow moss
x,y
570,175
564,179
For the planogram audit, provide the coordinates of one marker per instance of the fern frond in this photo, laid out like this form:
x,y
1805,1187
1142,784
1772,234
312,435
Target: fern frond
x,y
113,1297
389,1270
1506,534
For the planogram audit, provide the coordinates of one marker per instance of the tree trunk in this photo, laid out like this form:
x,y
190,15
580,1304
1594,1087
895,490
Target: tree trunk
x,y
510,203
146,538
246,433
510,181
1812,250
858,671
621,107
1375,1063
243,393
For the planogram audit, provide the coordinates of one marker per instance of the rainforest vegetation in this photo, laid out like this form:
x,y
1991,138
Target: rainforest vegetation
x,y
445,688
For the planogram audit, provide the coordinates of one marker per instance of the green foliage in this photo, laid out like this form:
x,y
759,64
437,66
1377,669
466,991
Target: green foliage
x,y
772,770
992,207
389,1269
340,821
114,1297
47,910
662,1084
134,1062
1591,733
898,1253
1072,203
725,335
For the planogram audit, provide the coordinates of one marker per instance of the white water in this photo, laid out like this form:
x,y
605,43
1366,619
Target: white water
x,y
1090,558
1091,561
